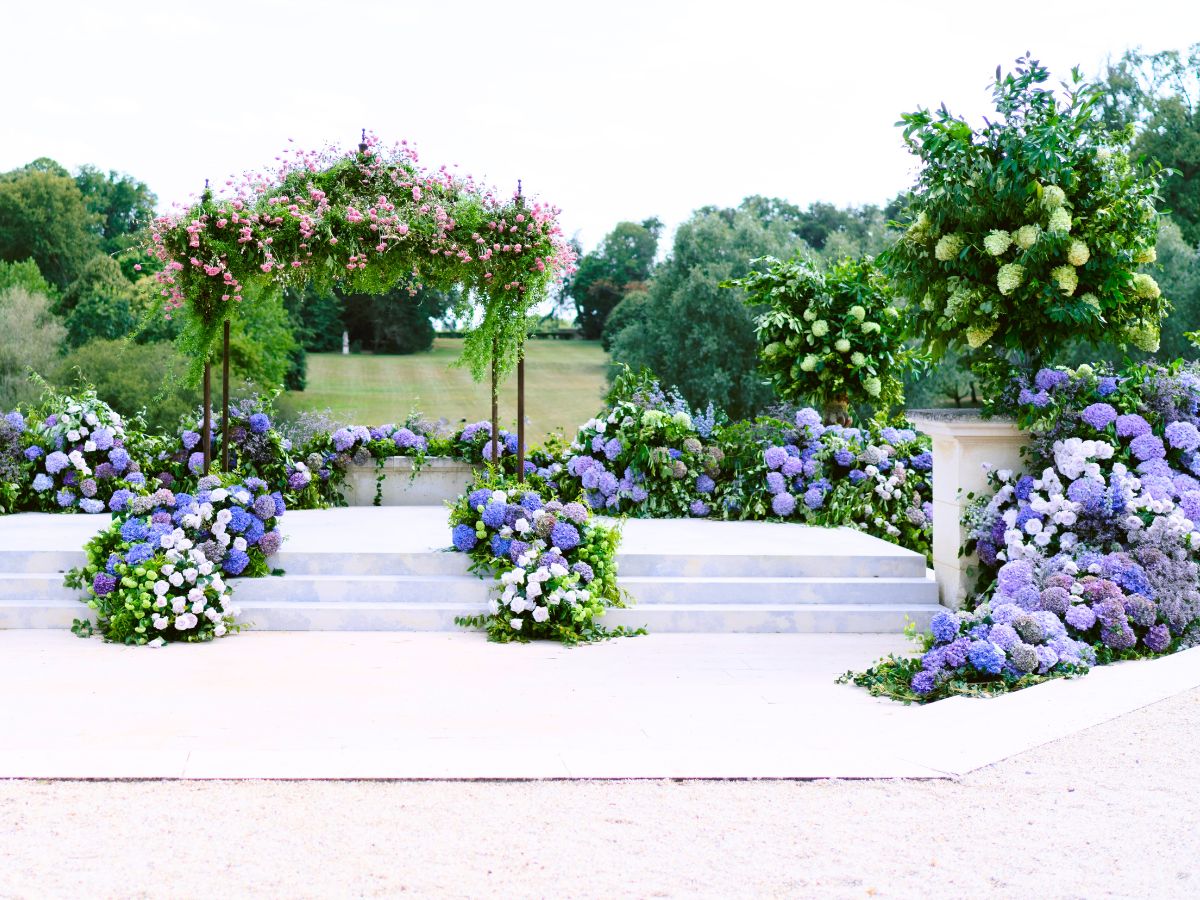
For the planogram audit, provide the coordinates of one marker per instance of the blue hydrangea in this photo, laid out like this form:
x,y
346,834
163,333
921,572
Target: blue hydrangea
x,y
464,538
705,484
259,423
783,505
612,448
1099,415
239,519
924,682
808,418
776,483
584,571
774,457
1147,446
1182,436
843,457
499,545
986,657
134,530
494,514
1049,379
1132,425
944,626
119,499
42,482
189,439
564,536
119,458
91,505
1106,386
138,554
814,498
56,462
65,498
922,462
699,508
235,562
34,452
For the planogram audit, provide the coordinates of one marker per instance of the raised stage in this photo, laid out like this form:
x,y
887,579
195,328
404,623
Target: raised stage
x,y
387,569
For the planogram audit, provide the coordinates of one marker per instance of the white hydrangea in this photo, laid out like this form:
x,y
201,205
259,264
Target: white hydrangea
x,y
997,242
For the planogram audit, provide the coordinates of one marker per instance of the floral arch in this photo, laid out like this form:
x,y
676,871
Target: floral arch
x,y
367,220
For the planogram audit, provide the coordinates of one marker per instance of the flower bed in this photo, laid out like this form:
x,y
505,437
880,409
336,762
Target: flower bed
x,y
554,565
1091,556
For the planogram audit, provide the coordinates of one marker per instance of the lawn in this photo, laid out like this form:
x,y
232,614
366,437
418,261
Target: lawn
x,y
564,386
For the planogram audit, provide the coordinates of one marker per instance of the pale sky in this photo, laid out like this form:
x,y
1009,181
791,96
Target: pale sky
x,y
611,110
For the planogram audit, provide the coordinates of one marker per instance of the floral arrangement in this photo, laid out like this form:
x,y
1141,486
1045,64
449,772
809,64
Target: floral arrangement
x,y
833,337
875,478
1027,232
80,455
645,454
1099,541
555,567
368,219
14,474
158,573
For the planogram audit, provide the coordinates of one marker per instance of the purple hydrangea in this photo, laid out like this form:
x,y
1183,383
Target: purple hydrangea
x,y
1183,436
584,571
1049,379
190,439
494,514
119,458
91,506
612,448
56,462
119,499
65,498
783,505
944,626
103,583
1080,617
196,463
102,438
814,498
705,484
792,467
42,482
1099,415
1132,425
1158,639
270,542
843,457
808,418
986,657
774,457
924,682
576,512
259,423
776,483
564,536
235,562
34,452
1147,446
478,498
699,508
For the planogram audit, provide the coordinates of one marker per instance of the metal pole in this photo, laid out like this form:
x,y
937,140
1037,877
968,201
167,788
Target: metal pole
x,y
495,401
521,411
225,401
206,436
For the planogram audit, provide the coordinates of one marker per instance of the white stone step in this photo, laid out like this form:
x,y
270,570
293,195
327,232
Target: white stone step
x,y
276,615
58,612
779,591
744,617
362,589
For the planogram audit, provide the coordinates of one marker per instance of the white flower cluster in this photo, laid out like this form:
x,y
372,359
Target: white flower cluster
x,y
190,589
535,589
80,416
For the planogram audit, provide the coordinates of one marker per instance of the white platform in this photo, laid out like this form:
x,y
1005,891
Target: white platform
x,y
387,705
437,479
388,568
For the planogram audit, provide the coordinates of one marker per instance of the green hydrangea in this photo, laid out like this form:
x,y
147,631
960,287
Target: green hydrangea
x,y
1026,236
1066,279
977,335
842,345
1060,221
948,247
1053,196
820,328
1078,253
1009,278
997,242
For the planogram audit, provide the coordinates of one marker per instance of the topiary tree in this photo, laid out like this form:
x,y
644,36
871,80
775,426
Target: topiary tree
x,y
1028,232
832,338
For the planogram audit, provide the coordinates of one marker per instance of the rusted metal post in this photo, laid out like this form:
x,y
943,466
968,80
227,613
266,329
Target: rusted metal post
x,y
496,401
225,400
206,435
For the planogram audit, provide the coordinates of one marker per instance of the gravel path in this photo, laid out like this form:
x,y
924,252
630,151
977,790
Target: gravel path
x,y
1111,811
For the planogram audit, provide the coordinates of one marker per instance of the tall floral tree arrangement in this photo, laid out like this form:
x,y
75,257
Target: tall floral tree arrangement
x,y
829,337
1027,233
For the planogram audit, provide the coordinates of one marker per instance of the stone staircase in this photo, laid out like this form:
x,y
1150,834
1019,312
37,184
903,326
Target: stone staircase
x,y
368,569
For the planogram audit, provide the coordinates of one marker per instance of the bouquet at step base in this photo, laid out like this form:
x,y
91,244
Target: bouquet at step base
x,y
79,456
555,567
158,573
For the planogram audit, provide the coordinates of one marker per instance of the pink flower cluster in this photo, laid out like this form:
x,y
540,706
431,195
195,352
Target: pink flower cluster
x,y
353,207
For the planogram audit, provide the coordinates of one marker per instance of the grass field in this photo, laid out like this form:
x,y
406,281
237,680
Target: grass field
x,y
564,386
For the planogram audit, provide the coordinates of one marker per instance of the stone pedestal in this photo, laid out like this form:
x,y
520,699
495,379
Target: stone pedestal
x,y
438,480
963,443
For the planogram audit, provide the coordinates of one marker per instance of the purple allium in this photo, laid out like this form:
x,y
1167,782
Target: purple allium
x,y
464,538
1099,415
774,457
944,626
1131,426
783,505
699,508
1147,446
189,439
103,583
704,484
584,571
564,536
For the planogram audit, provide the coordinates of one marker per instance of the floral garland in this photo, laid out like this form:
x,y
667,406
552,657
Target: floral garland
x,y
368,220
158,573
554,565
